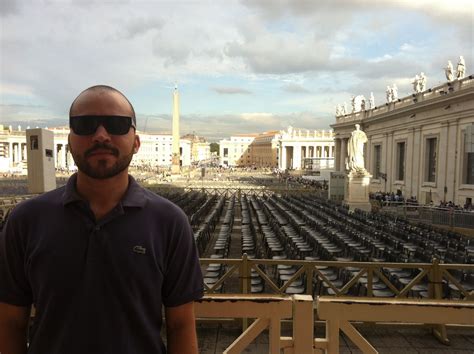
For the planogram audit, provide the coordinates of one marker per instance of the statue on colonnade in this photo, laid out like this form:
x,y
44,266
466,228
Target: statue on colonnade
x,y
355,151
461,69
449,71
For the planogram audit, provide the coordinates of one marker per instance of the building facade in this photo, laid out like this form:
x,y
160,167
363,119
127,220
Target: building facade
x,y
265,149
302,149
13,156
420,145
296,149
236,151
155,150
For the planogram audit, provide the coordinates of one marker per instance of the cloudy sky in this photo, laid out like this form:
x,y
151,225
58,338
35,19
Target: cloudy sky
x,y
241,66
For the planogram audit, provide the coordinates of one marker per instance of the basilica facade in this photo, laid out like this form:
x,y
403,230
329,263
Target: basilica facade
x,y
421,145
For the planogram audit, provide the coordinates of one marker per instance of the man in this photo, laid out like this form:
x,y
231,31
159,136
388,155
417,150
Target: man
x,y
99,257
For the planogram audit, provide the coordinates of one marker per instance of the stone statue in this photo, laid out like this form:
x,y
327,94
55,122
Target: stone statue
x,y
344,108
372,101
362,103
355,151
394,92
338,110
422,82
353,103
416,84
388,94
449,71
461,69
290,131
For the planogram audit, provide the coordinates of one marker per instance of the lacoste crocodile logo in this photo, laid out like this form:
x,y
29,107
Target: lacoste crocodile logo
x,y
139,249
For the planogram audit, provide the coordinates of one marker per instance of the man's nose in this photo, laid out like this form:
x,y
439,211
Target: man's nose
x,y
101,134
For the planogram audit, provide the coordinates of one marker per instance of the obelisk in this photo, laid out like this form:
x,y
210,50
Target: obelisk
x,y
175,168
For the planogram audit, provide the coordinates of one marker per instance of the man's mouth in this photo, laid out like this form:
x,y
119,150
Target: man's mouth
x,y
101,150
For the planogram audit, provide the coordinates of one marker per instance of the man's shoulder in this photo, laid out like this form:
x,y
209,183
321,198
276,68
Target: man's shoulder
x,y
160,204
40,204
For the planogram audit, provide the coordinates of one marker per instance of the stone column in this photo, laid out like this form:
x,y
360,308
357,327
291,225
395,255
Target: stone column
x,y
24,151
10,154
63,156
175,168
17,153
343,154
297,156
283,157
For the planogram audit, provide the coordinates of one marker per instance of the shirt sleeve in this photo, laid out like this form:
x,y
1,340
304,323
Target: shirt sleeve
x,y
183,277
14,285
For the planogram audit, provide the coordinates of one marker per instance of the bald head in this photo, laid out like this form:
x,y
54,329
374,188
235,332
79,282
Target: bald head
x,y
111,97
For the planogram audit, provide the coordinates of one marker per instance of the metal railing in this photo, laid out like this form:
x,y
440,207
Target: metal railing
x,y
238,191
437,274
431,215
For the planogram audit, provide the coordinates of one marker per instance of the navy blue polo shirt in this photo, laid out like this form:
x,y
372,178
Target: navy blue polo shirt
x,y
98,286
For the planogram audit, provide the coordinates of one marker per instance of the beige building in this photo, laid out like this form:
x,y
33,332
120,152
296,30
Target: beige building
x,y
265,149
297,149
236,151
421,144
200,148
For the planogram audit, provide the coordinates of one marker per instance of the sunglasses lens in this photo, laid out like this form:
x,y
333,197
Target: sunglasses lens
x,y
87,125
83,125
117,125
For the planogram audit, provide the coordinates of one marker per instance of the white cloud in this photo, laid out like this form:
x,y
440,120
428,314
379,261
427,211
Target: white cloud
x,y
259,117
16,90
383,58
284,55
295,88
231,91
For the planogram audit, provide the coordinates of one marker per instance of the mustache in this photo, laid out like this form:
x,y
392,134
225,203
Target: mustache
x,y
100,146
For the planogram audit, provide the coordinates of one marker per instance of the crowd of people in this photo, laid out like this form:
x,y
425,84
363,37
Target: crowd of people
x,y
450,205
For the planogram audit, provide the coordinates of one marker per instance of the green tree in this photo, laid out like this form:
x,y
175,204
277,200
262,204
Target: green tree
x,y
215,148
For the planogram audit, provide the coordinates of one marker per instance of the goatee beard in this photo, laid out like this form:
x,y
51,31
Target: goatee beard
x,y
101,171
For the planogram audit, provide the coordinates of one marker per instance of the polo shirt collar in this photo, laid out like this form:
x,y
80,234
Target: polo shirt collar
x,y
134,196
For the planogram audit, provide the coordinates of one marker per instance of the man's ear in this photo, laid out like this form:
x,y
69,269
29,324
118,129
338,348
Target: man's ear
x,y
69,142
136,145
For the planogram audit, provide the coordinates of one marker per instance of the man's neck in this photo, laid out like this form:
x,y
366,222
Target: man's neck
x,y
102,194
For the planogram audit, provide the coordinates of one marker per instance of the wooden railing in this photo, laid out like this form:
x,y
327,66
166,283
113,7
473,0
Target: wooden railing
x,y
339,312
268,311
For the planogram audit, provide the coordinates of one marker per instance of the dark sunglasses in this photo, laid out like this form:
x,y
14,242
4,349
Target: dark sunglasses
x,y
87,125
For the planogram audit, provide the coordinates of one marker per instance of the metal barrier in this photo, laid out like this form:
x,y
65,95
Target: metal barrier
x,y
238,191
339,312
435,272
268,312
431,215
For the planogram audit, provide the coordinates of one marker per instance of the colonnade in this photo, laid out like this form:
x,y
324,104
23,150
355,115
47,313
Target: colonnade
x,y
14,154
293,154
341,154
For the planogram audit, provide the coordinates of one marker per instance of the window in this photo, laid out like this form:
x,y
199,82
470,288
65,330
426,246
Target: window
x,y
400,171
226,152
377,160
468,165
430,160
470,168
